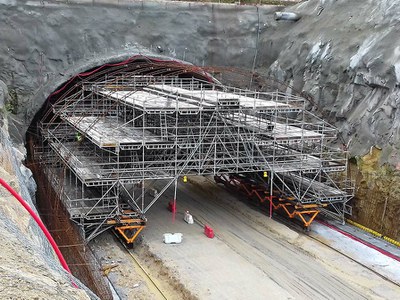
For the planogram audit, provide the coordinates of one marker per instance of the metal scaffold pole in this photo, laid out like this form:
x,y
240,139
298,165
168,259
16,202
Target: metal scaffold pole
x,y
271,192
144,122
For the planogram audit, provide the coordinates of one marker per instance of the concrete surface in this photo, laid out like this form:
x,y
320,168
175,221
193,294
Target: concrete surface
x,y
382,264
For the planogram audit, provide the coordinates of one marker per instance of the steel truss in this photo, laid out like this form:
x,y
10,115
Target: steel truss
x,y
105,141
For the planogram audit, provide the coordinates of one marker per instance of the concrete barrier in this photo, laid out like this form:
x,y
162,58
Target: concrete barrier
x,y
208,231
173,238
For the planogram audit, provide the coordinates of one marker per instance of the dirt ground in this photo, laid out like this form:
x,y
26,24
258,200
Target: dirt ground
x,y
128,279
251,256
377,202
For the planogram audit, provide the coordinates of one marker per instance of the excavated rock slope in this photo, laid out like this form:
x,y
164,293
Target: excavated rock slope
x,y
345,54
29,269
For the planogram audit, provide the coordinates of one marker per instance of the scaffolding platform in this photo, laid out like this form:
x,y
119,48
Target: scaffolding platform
x,y
305,164
278,129
216,97
94,172
109,131
150,102
312,190
116,135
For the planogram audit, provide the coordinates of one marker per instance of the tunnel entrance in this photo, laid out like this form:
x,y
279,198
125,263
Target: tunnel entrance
x,y
106,135
51,173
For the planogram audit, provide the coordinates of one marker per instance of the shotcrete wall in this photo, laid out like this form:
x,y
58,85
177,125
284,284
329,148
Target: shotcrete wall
x,y
44,44
343,53
346,55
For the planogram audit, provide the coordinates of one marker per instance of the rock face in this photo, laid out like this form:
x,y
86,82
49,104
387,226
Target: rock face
x,y
378,188
3,94
29,269
343,54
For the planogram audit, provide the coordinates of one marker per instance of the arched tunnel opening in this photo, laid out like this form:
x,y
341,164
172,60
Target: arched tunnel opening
x,y
54,192
104,137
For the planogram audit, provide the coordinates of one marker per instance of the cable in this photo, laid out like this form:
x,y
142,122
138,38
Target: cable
x,y
41,225
256,51
85,74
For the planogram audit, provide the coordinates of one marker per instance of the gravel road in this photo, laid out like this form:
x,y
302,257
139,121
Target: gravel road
x,y
251,256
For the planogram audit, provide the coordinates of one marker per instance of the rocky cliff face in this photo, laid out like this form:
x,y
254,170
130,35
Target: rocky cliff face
x,y
344,54
378,189
29,269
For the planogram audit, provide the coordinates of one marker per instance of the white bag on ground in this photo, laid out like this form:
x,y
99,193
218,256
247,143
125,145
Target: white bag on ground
x,y
188,218
173,238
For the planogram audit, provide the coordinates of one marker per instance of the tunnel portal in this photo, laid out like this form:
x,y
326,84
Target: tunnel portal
x,y
105,136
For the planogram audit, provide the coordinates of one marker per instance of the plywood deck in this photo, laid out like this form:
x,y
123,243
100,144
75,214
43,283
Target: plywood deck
x,y
110,132
214,96
149,101
278,132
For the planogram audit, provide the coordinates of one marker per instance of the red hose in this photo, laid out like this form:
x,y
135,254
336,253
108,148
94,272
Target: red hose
x,y
84,74
41,225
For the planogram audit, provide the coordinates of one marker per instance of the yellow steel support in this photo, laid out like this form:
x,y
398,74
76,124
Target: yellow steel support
x,y
124,229
129,228
125,221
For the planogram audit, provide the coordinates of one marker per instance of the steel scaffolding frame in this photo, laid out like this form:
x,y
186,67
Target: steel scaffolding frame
x,y
105,141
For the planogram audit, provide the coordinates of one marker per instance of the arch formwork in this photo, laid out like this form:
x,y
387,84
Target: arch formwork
x,y
113,133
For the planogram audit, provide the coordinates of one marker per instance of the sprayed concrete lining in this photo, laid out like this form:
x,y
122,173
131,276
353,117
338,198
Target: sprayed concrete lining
x,y
45,44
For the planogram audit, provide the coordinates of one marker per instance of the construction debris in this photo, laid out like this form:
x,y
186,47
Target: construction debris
x,y
107,269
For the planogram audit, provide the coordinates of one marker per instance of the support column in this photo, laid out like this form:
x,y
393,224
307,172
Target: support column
x,y
271,188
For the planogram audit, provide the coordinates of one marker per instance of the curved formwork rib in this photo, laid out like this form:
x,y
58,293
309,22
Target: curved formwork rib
x,y
110,139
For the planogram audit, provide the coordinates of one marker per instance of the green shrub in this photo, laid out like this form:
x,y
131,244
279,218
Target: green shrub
x,y
12,103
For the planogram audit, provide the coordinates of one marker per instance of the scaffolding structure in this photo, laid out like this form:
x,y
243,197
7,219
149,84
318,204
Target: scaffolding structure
x,y
106,142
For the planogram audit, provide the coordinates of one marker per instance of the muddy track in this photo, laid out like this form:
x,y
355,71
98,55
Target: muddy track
x,y
156,275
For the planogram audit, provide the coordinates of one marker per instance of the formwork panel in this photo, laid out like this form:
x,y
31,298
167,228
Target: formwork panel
x,y
119,134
